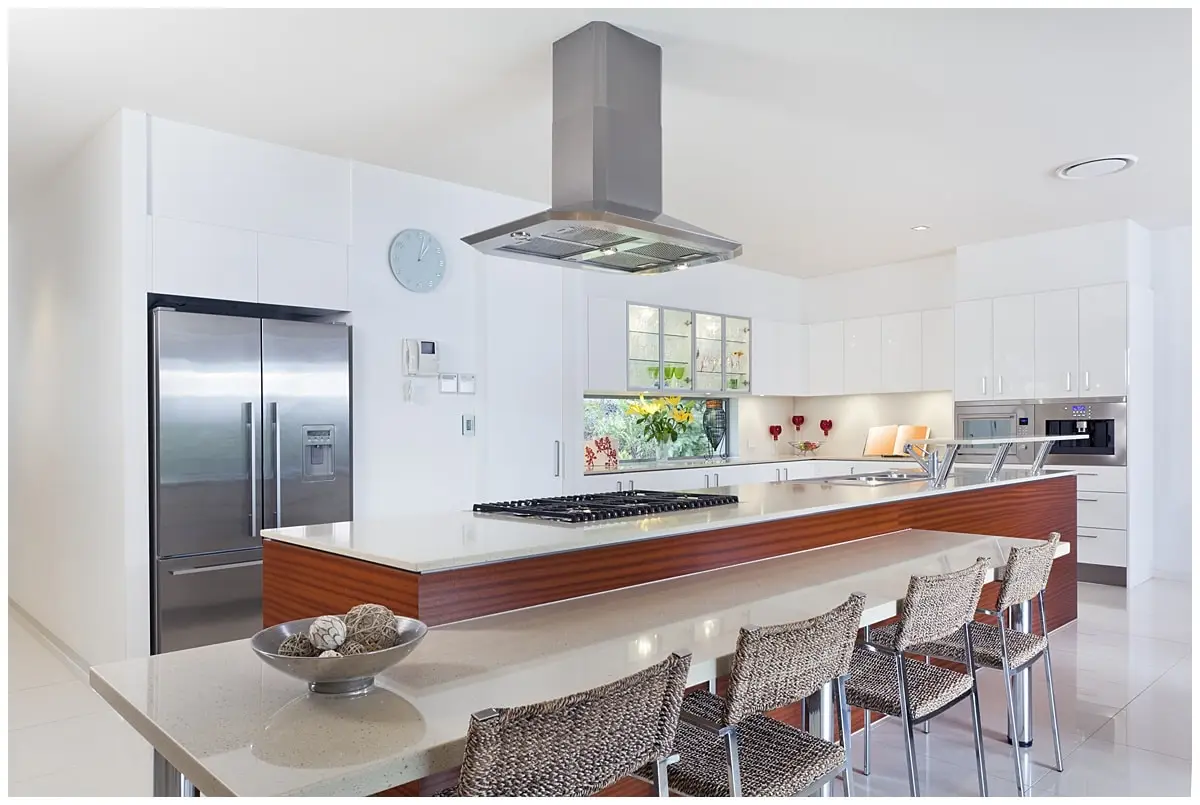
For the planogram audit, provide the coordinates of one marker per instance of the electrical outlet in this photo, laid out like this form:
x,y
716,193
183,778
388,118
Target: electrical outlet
x,y
468,425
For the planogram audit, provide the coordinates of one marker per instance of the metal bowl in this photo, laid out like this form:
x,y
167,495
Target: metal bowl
x,y
335,675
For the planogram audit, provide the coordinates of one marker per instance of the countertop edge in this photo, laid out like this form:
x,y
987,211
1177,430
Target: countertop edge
x,y
437,566
701,464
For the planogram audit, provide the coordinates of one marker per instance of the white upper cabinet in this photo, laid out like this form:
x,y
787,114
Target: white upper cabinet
x,y
1013,347
937,350
1056,329
303,273
606,327
863,355
826,368
1103,334
902,352
206,176
780,358
973,350
211,262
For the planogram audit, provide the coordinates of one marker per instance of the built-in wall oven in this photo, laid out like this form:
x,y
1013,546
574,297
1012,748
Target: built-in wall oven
x,y
1101,420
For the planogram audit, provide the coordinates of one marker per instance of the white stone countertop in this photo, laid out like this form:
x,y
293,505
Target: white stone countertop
x,y
434,542
736,461
234,726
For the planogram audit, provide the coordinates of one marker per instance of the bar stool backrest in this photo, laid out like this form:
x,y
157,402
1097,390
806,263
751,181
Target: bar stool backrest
x,y
775,666
579,744
1027,572
938,605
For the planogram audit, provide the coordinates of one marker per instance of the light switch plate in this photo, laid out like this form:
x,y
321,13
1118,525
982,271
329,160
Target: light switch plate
x,y
468,425
448,384
466,384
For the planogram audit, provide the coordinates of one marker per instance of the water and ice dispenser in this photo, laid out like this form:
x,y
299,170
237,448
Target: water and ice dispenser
x,y
318,452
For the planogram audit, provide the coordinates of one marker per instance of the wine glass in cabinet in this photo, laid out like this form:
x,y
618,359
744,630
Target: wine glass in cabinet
x,y
677,349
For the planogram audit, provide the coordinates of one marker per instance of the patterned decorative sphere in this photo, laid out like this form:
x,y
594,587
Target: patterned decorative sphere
x,y
330,653
352,646
297,645
368,616
378,639
327,632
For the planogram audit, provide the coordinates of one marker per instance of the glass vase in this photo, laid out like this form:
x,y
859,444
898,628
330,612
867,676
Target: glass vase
x,y
662,451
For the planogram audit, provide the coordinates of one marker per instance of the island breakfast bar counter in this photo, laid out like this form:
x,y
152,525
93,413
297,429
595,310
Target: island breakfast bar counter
x,y
447,568
234,726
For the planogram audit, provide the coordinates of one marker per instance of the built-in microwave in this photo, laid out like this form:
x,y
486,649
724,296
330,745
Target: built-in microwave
x,y
994,421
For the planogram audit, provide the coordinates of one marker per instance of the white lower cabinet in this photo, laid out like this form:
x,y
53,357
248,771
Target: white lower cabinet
x,y
1101,546
1101,510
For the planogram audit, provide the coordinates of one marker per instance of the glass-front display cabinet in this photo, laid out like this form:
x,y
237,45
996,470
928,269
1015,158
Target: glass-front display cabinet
x,y
737,354
681,350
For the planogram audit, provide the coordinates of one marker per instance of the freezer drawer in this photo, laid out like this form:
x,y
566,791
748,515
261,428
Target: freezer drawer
x,y
207,599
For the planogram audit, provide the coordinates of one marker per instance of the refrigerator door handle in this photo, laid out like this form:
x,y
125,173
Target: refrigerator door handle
x,y
249,408
278,446
188,571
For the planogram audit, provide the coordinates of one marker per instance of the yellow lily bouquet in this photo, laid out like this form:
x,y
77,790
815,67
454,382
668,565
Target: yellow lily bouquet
x,y
663,419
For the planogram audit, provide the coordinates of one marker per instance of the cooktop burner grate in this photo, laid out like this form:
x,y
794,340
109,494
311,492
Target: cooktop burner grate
x,y
605,505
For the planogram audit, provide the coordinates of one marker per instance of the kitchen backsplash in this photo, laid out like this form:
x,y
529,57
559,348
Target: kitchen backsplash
x,y
755,415
854,414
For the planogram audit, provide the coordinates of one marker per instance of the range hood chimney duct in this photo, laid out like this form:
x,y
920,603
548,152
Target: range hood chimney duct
x,y
606,184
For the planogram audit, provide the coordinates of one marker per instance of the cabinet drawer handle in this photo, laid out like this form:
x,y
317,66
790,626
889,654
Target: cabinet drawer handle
x,y
1093,474
1088,500
1088,536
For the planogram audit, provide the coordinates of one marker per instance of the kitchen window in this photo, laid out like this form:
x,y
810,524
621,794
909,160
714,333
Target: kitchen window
x,y
611,417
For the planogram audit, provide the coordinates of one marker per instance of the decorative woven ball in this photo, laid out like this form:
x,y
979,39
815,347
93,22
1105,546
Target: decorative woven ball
x,y
330,653
297,645
352,646
377,639
327,632
369,616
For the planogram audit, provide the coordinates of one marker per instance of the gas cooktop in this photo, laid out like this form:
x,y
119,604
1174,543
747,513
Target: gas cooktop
x,y
604,506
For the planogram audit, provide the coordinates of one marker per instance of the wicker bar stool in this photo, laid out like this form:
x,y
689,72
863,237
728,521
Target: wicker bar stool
x,y
883,680
580,744
729,747
1025,578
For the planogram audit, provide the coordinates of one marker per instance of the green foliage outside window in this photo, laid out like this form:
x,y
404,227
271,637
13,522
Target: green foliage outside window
x,y
609,416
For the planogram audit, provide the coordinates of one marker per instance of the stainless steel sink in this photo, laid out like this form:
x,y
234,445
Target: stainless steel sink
x,y
874,478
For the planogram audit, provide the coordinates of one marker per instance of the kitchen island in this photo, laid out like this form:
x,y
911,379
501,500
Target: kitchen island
x,y
451,567
234,726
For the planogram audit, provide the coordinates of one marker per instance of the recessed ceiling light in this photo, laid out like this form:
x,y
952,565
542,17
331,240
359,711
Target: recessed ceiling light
x,y
1100,166
919,228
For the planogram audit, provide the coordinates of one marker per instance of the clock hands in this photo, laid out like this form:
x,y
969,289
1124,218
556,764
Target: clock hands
x,y
424,248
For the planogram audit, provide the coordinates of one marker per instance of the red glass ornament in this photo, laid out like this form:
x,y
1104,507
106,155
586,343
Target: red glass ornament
x,y
797,421
775,430
826,426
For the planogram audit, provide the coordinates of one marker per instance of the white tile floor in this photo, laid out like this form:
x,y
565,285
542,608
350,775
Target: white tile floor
x,y
1122,676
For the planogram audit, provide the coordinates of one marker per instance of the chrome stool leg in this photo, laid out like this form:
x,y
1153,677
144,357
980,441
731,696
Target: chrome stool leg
x,y
1058,763
844,727
981,765
866,769
925,724
910,750
1009,681
735,769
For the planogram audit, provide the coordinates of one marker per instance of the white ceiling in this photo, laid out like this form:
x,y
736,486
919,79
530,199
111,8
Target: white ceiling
x,y
817,138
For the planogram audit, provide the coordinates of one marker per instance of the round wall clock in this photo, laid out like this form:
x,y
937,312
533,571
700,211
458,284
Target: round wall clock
x,y
417,260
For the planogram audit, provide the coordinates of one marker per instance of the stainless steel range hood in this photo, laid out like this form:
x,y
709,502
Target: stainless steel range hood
x,y
606,191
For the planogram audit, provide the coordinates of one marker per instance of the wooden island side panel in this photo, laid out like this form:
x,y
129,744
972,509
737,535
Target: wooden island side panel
x,y
301,582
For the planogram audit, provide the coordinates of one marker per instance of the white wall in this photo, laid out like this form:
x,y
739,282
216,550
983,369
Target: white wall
x,y
854,414
1173,412
78,516
881,290
411,456
754,416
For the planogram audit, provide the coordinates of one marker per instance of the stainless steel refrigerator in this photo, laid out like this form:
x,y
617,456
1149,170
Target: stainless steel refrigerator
x,y
250,429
